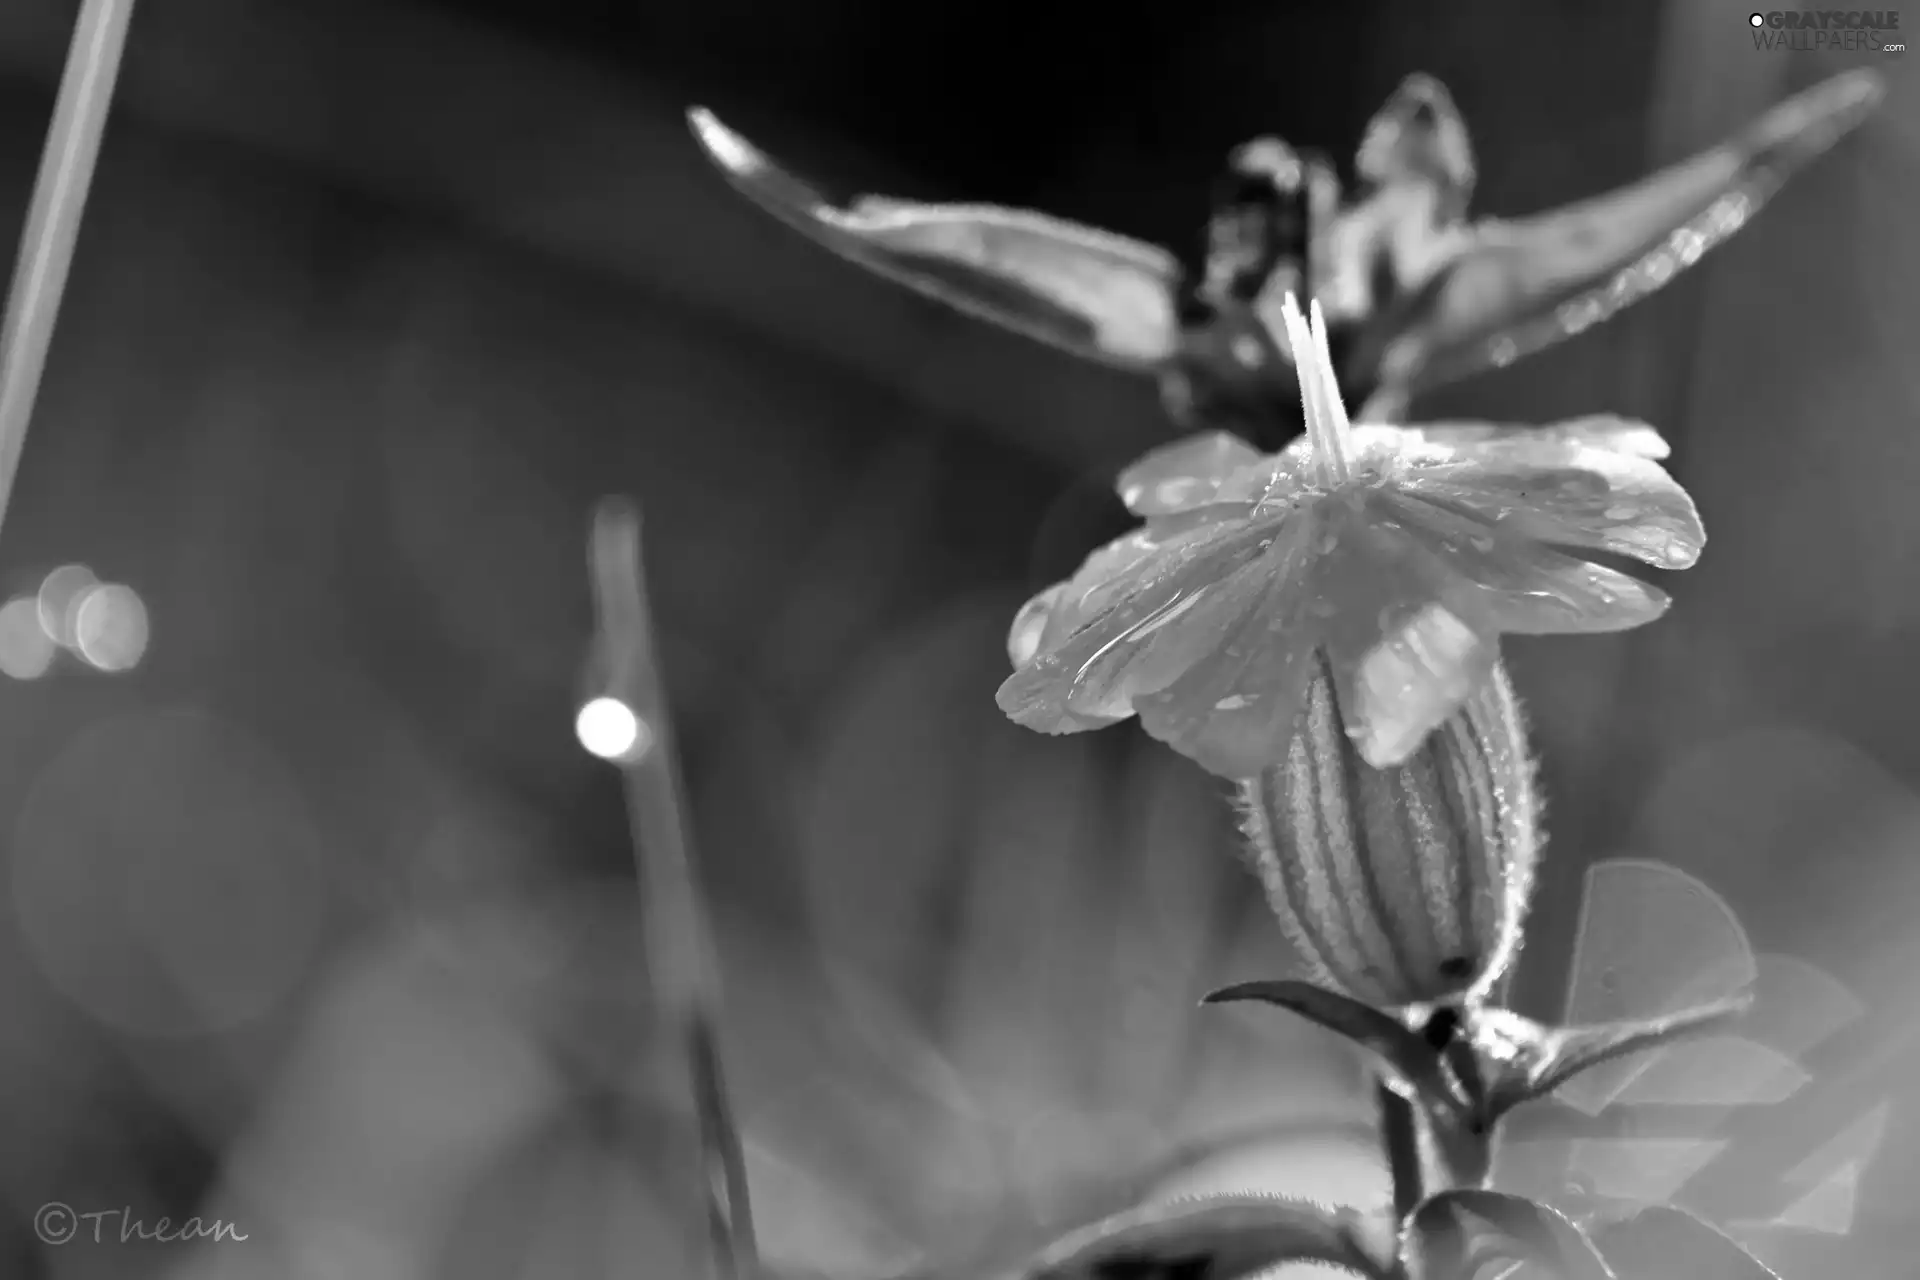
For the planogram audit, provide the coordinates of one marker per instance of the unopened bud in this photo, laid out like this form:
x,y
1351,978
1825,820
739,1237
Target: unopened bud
x,y
1404,885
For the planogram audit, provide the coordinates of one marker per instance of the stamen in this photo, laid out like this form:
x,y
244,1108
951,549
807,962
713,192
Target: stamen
x,y
1339,428
1303,371
1326,417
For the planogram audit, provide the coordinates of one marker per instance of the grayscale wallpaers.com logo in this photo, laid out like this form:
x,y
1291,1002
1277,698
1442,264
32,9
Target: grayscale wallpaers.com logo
x,y
1869,30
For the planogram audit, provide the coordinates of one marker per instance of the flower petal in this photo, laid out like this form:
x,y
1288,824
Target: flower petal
x,y
1413,680
1551,442
1141,639
1234,710
1408,640
1528,589
1029,627
1105,577
1184,474
1570,494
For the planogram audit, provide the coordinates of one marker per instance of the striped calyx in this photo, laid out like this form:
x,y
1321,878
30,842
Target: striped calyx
x,y
1406,885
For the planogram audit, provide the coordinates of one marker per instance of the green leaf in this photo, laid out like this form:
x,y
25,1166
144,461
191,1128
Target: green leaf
x,y
1565,1052
1455,1234
1665,1243
1216,1237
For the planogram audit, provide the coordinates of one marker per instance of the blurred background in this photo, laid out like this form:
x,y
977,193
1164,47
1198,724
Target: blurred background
x,y
318,920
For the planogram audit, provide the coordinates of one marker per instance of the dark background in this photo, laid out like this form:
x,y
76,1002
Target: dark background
x,y
321,922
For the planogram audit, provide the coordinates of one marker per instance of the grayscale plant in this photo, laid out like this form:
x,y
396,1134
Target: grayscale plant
x,y
1319,623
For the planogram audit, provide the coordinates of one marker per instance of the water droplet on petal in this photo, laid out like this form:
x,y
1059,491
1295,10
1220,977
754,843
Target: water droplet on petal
x,y
1173,492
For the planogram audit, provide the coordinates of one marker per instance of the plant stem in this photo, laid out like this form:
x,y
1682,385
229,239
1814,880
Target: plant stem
x,y
1400,1136
683,966
53,220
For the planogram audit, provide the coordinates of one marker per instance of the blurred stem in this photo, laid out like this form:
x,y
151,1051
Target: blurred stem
x,y
53,220
681,958
1400,1135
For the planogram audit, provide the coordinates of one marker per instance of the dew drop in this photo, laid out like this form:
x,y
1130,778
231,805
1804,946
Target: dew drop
x,y
1173,492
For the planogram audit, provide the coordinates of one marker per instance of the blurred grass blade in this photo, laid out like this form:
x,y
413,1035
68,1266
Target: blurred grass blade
x,y
53,220
681,960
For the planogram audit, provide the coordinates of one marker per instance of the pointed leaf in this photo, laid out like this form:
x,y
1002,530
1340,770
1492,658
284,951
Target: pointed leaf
x,y
1221,1238
1396,1047
1514,288
1568,1051
1664,1243
1456,1233
1096,294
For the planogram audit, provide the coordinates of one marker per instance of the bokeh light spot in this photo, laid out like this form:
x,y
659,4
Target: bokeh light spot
x,y
110,627
26,651
59,600
609,729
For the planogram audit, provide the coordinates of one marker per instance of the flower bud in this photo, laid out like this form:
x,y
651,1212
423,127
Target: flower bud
x,y
1404,885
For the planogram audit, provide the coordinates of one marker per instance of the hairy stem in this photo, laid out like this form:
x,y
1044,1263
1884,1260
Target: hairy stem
x,y
1400,1136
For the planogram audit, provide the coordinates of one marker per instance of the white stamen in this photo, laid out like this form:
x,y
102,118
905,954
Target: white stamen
x,y
1302,348
1339,429
1328,431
